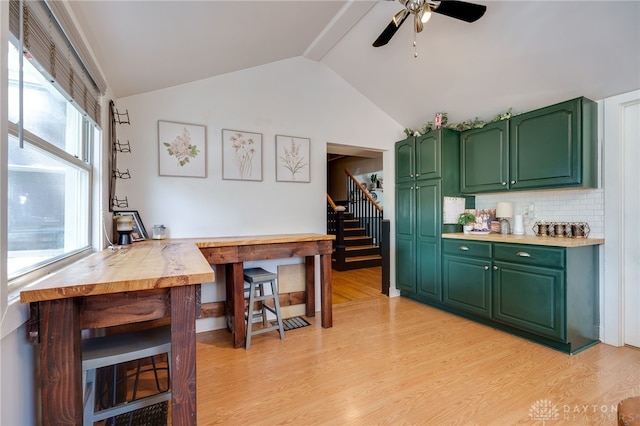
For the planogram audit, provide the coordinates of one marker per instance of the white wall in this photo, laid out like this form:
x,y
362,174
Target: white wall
x,y
292,97
295,97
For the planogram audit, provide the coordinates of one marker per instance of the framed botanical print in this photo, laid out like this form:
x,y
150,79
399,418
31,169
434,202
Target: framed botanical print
x,y
182,149
241,155
292,159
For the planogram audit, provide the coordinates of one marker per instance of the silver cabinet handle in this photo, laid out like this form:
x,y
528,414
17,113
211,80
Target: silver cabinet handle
x,y
495,268
464,248
523,254
486,268
504,183
417,174
513,182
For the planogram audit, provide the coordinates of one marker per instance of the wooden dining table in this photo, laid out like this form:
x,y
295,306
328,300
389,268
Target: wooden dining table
x,y
146,281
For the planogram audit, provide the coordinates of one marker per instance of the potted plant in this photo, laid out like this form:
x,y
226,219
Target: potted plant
x,y
374,180
466,220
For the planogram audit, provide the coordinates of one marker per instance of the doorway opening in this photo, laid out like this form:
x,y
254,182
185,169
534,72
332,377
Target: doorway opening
x,y
366,166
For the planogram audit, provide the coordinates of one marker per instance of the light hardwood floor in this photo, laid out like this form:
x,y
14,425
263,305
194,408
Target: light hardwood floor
x,y
357,284
395,361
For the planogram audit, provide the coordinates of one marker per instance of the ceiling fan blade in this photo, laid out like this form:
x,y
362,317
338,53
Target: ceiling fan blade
x,y
388,32
468,12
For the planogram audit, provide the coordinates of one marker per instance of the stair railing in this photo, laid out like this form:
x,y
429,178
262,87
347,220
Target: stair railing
x,y
364,208
335,226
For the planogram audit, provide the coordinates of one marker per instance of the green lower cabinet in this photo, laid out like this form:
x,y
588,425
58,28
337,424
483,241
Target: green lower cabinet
x,y
543,293
428,278
467,284
405,264
530,298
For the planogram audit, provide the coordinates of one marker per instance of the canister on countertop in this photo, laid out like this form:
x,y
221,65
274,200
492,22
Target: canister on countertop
x,y
159,232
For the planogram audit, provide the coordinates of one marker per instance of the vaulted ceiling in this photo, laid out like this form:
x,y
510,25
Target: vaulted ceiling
x,y
521,54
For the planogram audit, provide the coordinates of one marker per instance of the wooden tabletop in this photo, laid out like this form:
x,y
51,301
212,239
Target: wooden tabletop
x,y
144,265
140,266
256,239
528,239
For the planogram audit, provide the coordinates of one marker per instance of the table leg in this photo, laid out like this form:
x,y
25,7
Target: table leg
x,y
60,362
235,302
183,355
326,305
310,285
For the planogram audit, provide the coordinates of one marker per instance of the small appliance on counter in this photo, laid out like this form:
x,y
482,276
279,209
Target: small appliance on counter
x,y
518,225
504,210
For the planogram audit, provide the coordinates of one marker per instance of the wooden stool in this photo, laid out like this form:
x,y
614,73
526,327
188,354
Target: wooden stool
x,y
257,278
629,412
115,349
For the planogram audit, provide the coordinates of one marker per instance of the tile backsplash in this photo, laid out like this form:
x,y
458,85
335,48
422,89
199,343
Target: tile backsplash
x,y
573,205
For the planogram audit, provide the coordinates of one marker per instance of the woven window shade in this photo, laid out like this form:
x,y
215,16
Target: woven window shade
x,y
47,44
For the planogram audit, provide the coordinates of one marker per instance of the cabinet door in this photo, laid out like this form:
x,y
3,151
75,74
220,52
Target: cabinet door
x,y
405,237
428,230
546,148
466,284
405,157
484,158
428,153
530,298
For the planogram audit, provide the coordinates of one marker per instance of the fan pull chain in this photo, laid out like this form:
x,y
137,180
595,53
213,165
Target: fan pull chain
x,y
415,51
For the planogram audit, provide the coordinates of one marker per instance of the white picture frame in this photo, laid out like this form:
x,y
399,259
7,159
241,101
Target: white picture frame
x,y
241,155
293,159
182,149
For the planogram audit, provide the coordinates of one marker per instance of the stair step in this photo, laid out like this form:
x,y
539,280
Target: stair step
x,y
356,237
361,258
362,247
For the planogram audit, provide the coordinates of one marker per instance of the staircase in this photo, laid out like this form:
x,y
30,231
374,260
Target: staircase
x,y
359,248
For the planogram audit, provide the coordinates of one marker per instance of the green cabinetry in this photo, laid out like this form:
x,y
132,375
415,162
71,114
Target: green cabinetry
x,y
529,289
426,170
551,147
547,294
484,158
466,276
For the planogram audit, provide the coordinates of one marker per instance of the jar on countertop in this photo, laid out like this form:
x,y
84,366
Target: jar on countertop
x,y
159,232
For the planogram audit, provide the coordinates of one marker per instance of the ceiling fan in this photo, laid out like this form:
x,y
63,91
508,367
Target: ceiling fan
x,y
421,11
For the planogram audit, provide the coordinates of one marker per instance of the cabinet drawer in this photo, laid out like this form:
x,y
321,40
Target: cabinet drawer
x,y
530,255
467,248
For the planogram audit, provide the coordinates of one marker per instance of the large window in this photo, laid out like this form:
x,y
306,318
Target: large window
x,y
49,172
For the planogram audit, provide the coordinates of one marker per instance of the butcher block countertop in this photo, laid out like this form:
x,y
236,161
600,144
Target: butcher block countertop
x,y
528,239
255,239
145,265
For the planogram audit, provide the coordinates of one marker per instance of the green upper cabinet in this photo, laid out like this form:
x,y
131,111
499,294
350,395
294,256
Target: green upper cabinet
x,y
555,146
428,156
484,158
418,157
433,155
552,147
405,154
